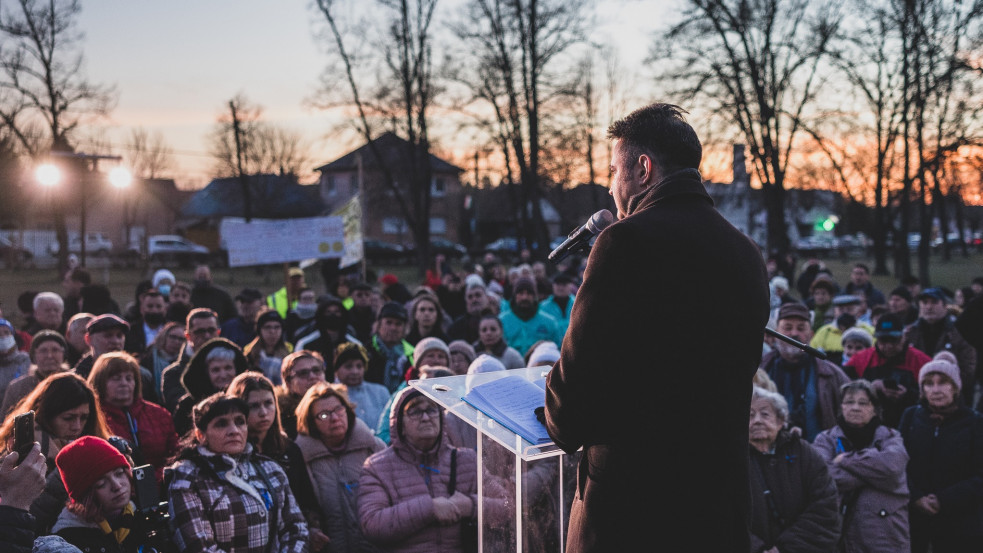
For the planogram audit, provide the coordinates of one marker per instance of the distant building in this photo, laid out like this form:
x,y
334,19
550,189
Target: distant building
x,y
381,218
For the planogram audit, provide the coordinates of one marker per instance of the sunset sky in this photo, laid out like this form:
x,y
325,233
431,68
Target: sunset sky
x,y
176,64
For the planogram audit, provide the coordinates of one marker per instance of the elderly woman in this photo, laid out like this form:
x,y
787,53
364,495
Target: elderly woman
x,y
48,350
867,461
210,371
147,427
225,498
335,444
793,498
945,473
405,501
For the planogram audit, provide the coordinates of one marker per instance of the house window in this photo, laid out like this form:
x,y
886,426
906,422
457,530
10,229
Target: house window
x,y
394,225
438,188
329,186
438,225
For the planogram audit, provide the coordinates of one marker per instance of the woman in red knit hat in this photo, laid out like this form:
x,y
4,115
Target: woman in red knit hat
x,y
99,514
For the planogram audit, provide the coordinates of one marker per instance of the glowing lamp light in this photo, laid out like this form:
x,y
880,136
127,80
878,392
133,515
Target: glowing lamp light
x,y
120,177
48,174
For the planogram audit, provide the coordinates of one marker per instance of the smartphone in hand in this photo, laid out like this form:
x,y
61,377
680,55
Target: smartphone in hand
x,y
145,484
23,435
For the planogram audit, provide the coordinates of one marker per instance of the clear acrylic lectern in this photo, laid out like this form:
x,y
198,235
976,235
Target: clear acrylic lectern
x,y
535,483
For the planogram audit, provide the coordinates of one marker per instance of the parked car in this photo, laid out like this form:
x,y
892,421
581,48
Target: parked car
x,y
96,243
505,245
11,253
171,248
379,251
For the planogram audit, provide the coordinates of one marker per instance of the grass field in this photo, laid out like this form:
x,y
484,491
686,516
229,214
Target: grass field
x,y
956,272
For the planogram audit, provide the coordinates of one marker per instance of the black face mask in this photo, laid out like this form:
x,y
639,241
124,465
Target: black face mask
x,y
154,319
332,322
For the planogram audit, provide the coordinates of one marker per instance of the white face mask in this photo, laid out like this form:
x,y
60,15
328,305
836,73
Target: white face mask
x,y
7,343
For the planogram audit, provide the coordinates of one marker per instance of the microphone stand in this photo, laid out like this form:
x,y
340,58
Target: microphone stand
x,y
804,347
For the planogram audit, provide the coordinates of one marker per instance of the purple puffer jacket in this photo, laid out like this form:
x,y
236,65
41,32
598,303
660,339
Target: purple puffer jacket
x,y
397,487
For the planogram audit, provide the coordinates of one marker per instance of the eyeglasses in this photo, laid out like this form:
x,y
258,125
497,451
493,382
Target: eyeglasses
x,y
417,414
175,337
204,331
306,373
861,403
337,412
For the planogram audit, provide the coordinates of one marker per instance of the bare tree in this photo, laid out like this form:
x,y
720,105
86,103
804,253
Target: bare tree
x,y
147,154
389,81
262,148
44,95
515,50
758,65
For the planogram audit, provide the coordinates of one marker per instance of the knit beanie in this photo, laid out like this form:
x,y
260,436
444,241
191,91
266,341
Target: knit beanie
x,y
524,284
462,347
943,367
86,460
545,353
43,336
857,334
485,363
6,323
347,351
946,355
269,315
427,344
161,275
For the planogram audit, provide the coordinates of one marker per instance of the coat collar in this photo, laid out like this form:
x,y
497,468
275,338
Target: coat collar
x,y
685,181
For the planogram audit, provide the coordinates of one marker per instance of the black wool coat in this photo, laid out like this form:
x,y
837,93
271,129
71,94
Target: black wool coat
x,y
654,377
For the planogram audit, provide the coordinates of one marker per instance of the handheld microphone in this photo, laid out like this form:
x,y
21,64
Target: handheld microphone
x,y
582,235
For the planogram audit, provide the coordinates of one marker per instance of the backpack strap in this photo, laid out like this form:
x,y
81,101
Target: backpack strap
x,y
452,485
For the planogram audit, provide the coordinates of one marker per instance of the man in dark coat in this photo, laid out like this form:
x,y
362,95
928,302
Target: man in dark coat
x,y
637,349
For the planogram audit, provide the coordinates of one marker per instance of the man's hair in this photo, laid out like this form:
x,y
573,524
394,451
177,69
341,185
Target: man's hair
x,y
660,131
150,293
79,274
179,285
48,296
200,313
862,266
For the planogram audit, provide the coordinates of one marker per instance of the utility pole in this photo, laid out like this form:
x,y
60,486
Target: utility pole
x,y
247,199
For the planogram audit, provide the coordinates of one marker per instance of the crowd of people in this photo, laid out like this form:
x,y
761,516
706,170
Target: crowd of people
x,y
191,419
284,421
874,447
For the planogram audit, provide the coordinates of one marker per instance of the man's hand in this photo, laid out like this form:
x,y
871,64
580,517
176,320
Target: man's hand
x,y
895,394
928,504
21,484
772,550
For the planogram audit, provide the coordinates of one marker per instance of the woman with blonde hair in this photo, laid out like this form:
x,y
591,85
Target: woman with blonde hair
x,y
334,443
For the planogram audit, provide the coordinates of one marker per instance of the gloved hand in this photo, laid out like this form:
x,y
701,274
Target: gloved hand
x,y
445,510
463,504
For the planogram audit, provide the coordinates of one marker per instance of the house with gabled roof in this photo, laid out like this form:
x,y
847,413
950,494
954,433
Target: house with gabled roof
x,y
361,170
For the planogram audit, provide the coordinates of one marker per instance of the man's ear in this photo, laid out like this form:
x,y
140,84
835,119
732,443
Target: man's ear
x,y
645,170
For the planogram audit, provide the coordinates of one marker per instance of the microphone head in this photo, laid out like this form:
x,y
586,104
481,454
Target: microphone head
x,y
600,221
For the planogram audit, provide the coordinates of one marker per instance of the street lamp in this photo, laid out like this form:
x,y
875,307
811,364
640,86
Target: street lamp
x,y
49,175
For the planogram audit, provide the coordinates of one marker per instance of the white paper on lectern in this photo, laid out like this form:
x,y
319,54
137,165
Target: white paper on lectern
x,y
512,402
